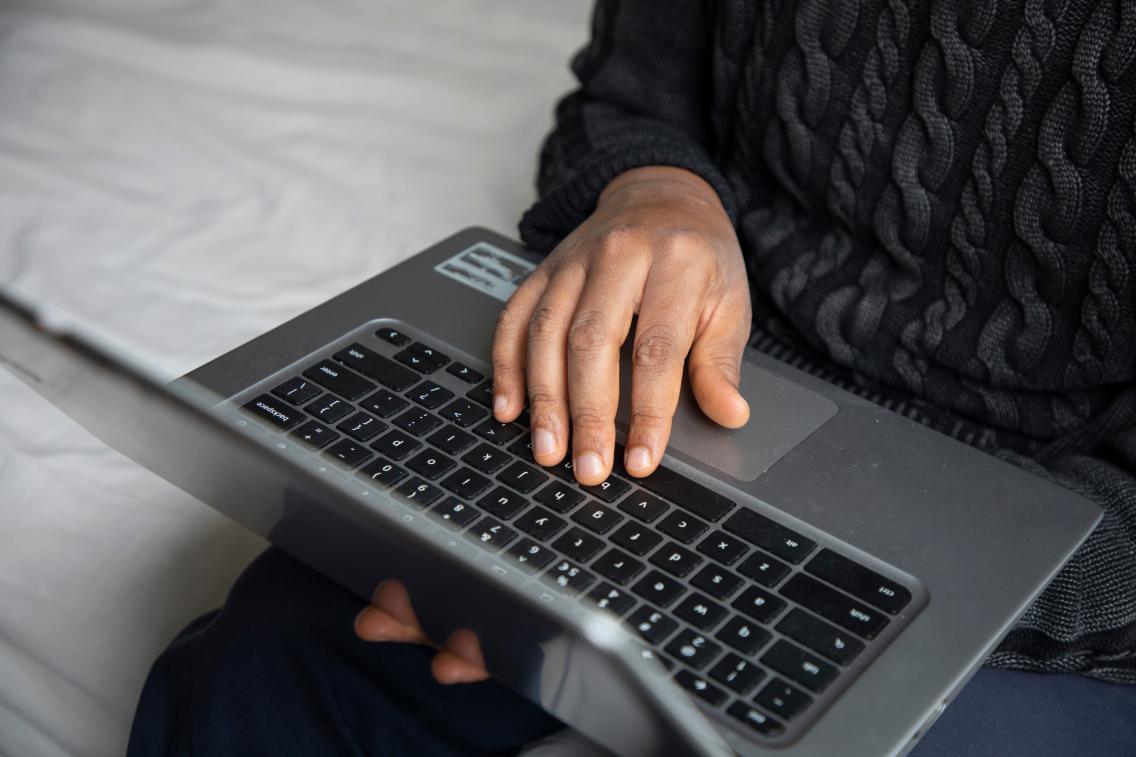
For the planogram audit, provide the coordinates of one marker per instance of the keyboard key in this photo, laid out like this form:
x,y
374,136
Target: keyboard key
x,y
297,391
758,604
755,719
464,372
651,624
563,470
743,635
716,581
770,536
429,353
666,663
658,588
723,547
764,569
328,408
382,473
522,477
498,433
466,483
315,434
559,496
569,577
274,412
611,598
463,412
397,338
700,687
798,665
430,395
451,440
608,491
336,378
597,518
693,649
692,497
372,364
838,646
455,513
417,361
700,611
522,447
396,445
685,528
486,458
578,545
866,585
383,404
417,422
491,534
782,699
637,539
643,506
828,603
675,560
348,453
430,464
618,566
419,493
362,427
540,524
503,503
530,555
737,674
482,394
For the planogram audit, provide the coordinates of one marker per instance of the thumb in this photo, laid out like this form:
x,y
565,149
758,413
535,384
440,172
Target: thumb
x,y
715,369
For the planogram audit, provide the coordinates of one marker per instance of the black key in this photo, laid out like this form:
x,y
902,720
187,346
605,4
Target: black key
x,y
828,603
569,577
716,581
522,477
466,483
578,545
770,536
609,491
464,372
328,408
503,503
665,662
692,648
491,534
700,687
530,555
764,569
455,513
348,453
463,412
383,404
417,361
700,611
382,472
675,559
658,588
651,624
743,635
563,470
315,434
419,493
688,495
559,496
611,598
523,417
336,378
273,411
723,547
755,719
482,394
372,364
486,458
430,464
736,673
758,604
397,338
540,523
838,646
522,447
498,433
685,528
798,665
430,395
643,506
396,445
429,353
618,566
417,422
297,391
362,427
451,440
595,517
636,539
782,699
864,584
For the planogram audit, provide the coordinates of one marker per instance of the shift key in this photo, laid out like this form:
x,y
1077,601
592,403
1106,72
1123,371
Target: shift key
x,y
770,536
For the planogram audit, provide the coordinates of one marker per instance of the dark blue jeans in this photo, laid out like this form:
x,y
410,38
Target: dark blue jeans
x,y
278,670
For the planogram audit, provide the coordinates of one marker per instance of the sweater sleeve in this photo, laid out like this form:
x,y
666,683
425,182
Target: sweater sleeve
x,y
644,99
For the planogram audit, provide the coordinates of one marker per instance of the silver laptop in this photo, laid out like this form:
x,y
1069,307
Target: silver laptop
x,y
822,581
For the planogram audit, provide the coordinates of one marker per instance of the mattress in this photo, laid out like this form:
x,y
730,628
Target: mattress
x,y
182,175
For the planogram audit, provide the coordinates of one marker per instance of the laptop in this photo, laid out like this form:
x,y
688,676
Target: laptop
x,y
821,581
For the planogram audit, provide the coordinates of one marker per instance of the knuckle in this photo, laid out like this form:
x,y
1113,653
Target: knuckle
x,y
727,366
648,418
618,239
542,396
588,418
655,350
504,369
509,319
542,323
589,332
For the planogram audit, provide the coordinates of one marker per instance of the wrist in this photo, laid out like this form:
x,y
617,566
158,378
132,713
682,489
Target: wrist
x,y
648,183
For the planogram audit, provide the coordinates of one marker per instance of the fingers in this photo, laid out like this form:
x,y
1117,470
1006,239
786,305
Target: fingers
x,y
390,617
509,347
715,364
461,661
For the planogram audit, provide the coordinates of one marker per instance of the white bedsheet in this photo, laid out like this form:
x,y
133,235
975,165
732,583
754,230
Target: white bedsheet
x,y
184,174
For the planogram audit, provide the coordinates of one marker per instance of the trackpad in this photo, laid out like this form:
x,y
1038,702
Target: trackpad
x,y
782,415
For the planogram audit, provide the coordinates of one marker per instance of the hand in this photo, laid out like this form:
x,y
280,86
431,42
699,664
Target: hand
x,y
658,244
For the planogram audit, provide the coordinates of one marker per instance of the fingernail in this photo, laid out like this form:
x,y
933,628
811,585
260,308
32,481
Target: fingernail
x,y
544,442
500,403
588,465
638,458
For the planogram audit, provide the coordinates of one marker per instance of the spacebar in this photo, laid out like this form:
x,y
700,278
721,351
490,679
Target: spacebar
x,y
688,495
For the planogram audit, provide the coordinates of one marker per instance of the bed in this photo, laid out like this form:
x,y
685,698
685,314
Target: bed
x,y
183,175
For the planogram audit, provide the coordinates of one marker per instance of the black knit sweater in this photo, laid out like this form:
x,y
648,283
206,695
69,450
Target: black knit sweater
x,y
937,203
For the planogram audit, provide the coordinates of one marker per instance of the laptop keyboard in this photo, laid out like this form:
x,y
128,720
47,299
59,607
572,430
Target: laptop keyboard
x,y
751,617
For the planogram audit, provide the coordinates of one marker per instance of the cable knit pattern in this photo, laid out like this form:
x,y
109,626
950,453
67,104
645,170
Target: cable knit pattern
x,y
937,202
